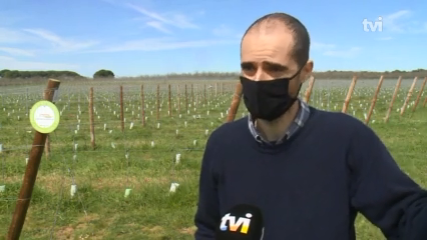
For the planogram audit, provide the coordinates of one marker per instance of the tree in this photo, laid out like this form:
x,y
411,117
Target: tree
x,y
13,74
103,74
3,73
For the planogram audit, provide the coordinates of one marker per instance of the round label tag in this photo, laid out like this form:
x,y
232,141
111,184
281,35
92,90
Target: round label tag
x,y
44,117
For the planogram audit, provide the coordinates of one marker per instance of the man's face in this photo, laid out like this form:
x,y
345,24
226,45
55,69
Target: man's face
x,y
268,55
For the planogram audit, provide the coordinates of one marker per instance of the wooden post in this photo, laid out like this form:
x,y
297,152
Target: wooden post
x,y
122,113
186,98
408,97
47,146
396,90
235,102
170,100
142,106
309,89
47,143
158,102
205,99
192,95
374,100
350,92
178,102
91,119
24,198
419,95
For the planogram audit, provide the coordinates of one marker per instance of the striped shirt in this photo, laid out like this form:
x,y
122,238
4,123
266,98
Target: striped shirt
x,y
301,117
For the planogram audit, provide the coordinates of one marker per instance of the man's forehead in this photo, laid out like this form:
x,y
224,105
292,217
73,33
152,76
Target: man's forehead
x,y
279,42
272,46
271,33
269,26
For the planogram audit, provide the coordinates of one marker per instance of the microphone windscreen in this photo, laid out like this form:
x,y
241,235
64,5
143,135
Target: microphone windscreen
x,y
242,222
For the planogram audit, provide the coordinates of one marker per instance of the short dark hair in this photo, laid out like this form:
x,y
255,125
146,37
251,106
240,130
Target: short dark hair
x,y
301,37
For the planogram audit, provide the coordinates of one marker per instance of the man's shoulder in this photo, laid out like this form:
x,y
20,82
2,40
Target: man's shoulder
x,y
339,117
340,122
229,129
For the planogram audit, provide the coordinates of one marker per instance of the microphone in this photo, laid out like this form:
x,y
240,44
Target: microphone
x,y
242,222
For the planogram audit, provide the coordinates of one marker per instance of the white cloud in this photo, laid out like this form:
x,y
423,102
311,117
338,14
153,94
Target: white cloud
x,y
333,51
402,22
384,38
39,37
349,53
59,43
159,26
17,51
167,19
109,1
398,15
321,46
12,36
12,63
9,17
223,31
393,22
159,44
180,20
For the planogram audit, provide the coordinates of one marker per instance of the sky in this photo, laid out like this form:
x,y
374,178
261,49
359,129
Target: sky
x,y
142,37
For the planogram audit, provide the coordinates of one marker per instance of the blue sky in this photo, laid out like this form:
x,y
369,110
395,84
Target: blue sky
x,y
135,37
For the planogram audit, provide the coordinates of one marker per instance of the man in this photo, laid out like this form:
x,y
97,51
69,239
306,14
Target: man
x,y
309,171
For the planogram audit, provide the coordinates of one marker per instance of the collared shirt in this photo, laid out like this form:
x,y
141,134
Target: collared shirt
x,y
300,119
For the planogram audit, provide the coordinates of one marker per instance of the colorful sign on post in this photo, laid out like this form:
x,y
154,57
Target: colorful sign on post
x,y
44,117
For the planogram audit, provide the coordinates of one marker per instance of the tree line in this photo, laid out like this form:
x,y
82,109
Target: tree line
x,y
108,74
16,74
319,75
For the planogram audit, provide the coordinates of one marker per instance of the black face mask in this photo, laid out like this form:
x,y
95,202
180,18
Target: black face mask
x,y
268,100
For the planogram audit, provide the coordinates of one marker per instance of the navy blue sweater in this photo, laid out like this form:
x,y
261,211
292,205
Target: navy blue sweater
x,y
313,185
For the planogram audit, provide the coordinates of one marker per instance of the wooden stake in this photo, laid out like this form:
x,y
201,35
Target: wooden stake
x,y
374,100
122,113
47,143
142,106
419,94
47,147
350,92
205,99
408,97
396,90
309,89
186,97
192,95
178,101
91,119
158,102
170,100
24,198
235,102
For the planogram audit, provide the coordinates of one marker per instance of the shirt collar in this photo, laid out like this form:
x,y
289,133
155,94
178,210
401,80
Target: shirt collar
x,y
299,121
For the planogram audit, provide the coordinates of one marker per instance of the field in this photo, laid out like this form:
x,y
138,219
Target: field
x,y
143,158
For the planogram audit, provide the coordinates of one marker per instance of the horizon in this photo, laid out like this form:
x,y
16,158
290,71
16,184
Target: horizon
x,y
143,37
207,72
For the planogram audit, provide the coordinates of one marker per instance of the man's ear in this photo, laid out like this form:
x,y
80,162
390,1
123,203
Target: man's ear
x,y
307,71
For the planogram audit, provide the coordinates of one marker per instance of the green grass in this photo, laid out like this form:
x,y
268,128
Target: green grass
x,y
100,210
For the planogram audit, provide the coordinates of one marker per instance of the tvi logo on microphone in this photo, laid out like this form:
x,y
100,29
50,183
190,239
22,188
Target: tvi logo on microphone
x,y
376,26
234,225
